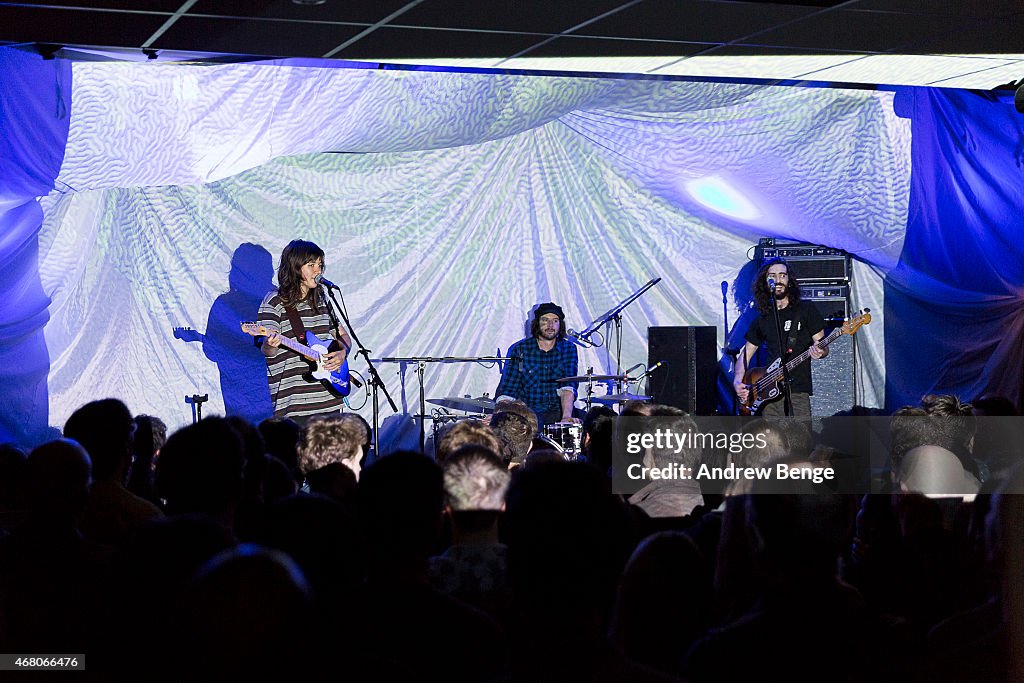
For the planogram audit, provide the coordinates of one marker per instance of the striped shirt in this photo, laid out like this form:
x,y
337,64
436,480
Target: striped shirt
x,y
293,391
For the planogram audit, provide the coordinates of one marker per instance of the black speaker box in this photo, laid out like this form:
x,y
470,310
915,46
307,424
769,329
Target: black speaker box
x,y
687,380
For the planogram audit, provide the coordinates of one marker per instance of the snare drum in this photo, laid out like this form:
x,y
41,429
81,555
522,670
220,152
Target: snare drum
x,y
567,435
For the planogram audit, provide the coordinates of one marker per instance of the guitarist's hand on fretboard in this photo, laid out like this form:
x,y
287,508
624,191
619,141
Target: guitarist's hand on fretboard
x,y
741,389
273,339
818,352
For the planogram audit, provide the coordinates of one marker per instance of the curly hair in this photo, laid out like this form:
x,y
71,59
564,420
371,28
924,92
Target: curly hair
x,y
331,438
763,297
289,272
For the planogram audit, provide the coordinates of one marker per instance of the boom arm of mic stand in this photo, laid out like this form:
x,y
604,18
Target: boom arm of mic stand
x,y
593,327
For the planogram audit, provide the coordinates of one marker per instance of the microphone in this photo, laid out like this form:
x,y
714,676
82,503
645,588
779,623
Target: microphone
x,y
652,369
771,283
725,287
578,340
321,280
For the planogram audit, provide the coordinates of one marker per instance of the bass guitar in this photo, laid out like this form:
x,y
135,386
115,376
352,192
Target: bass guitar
x,y
764,385
312,350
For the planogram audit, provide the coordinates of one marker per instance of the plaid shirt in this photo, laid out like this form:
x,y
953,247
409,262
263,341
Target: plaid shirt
x,y
530,375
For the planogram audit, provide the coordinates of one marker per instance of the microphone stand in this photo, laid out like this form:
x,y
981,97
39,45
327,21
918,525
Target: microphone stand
x,y
375,381
614,315
787,397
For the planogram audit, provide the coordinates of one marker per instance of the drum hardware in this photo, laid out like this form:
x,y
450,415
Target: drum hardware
x,y
590,377
481,404
612,399
421,364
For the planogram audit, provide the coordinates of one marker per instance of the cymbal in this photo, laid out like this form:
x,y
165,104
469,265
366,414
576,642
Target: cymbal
x,y
618,398
471,405
590,378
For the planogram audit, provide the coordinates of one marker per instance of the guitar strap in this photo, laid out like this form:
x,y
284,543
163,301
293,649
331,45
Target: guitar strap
x,y
298,329
791,337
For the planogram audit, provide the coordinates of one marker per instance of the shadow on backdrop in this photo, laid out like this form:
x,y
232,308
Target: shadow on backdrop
x,y
240,365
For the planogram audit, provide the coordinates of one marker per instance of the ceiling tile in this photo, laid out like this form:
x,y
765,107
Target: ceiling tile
x,y
574,46
955,8
168,6
77,27
993,37
693,20
859,31
629,65
401,43
740,62
986,79
254,37
536,16
908,69
355,11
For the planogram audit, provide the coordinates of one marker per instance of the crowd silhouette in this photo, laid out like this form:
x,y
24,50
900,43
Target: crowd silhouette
x,y
230,549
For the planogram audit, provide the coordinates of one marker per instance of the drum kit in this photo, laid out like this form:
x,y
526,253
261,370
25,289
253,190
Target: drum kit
x,y
565,438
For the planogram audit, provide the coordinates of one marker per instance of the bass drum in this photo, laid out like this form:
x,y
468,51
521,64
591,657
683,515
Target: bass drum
x,y
568,437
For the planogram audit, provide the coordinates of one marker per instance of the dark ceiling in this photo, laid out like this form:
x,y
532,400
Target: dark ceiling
x,y
501,31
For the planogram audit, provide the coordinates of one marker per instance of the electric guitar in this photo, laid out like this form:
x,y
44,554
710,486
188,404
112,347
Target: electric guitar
x,y
312,350
765,384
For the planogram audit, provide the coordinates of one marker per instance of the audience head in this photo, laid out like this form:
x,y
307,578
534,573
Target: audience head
x,y
517,433
522,410
400,501
637,409
993,406
475,479
248,610
598,427
201,468
796,535
333,439
12,476
150,435
57,480
281,439
105,429
568,539
466,433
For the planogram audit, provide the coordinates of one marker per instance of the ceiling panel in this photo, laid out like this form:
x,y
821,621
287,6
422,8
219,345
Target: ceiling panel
x,y
742,62
43,25
913,69
400,43
858,31
356,11
167,6
573,46
693,20
535,16
254,37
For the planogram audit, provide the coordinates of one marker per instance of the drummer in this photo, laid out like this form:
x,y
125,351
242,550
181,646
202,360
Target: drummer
x,y
535,364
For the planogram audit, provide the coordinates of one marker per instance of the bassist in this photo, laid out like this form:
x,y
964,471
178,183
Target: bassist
x,y
299,302
802,328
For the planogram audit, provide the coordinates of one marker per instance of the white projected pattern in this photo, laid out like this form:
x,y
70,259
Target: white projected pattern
x,y
471,198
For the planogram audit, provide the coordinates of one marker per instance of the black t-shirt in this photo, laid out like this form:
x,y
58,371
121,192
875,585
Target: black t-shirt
x,y
799,323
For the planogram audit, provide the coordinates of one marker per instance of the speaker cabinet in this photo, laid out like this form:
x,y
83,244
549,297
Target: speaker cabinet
x,y
687,380
834,377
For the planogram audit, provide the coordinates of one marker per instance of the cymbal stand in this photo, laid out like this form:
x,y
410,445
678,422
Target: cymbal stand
x,y
421,366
